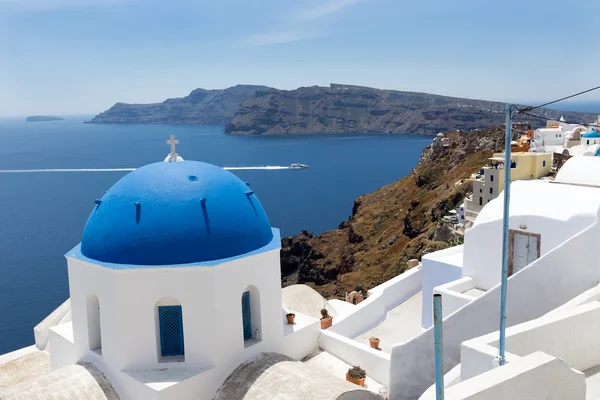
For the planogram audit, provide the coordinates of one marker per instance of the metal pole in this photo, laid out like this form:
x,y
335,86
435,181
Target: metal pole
x,y
439,346
507,161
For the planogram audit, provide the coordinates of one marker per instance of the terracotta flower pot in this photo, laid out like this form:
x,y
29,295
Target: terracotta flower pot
x,y
359,382
290,318
374,343
326,322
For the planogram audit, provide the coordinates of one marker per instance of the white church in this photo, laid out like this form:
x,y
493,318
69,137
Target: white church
x,y
175,293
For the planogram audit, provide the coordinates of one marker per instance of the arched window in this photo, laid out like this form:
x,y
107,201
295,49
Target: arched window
x,y
93,323
251,316
169,328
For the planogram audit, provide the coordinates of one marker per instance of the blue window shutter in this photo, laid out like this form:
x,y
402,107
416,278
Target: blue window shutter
x,y
171,330
246,316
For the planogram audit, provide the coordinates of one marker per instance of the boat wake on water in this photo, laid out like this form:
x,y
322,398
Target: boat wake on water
x,y
171,157
16,171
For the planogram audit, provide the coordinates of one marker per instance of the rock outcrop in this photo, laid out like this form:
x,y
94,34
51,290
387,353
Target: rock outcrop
x,y
349,109
399,222
201,106
42,118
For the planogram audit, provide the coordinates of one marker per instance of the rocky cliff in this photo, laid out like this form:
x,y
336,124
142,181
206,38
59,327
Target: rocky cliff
x,y
388,227
346,108
214,107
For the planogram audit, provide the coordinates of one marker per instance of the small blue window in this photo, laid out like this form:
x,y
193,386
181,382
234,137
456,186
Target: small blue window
x,y
171,331
544,163
246,316
492,178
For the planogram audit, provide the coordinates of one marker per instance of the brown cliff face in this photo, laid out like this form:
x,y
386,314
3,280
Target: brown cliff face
x,y
349,109
391,225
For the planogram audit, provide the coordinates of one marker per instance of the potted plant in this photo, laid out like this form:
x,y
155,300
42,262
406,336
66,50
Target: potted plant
x,y
356,375
326,319
290,317
374,342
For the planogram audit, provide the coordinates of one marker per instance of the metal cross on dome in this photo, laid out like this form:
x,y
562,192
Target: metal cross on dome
x,y
173,154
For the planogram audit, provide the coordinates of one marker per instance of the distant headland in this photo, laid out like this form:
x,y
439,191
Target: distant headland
x,y
260,110
42,118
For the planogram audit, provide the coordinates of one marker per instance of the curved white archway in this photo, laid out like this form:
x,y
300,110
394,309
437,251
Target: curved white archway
x,y
251,323
93,324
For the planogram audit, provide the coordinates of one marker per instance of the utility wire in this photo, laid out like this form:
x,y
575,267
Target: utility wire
x,y
531,108
564,122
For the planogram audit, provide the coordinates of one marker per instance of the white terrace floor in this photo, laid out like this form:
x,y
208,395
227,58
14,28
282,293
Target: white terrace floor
x,y
338,368
401,324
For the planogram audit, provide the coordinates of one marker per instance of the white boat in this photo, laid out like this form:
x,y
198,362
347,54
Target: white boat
x,y
298,166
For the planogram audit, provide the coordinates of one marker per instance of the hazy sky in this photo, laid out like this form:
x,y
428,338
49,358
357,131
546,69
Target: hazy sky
x,y
82,56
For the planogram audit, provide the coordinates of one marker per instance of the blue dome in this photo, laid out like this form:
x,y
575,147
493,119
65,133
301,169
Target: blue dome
x,y
175,213
591,134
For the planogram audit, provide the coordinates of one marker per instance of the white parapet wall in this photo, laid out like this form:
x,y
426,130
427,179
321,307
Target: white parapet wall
x,y
439,268
42,330
300,339
338,339
538,376
557,277
375,362
453,296
371,312
571,335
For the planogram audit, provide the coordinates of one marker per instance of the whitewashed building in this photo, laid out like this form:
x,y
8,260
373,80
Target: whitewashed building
x,y
556,135
588,145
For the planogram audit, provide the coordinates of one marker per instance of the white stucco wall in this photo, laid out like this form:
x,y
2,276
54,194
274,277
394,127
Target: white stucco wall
x,y
372,311
439,268
61,346
42,330
211,304
301,338
535,377
555,278
584,298
572,336
452,295
375,362
540,208
339,338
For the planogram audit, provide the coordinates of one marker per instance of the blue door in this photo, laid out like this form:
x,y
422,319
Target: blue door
x,y
246,315
171,330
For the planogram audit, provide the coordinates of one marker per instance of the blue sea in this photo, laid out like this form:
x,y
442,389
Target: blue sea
x,y
42,215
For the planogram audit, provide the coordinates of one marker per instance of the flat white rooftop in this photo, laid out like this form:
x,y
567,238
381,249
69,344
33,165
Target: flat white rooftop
x,y
474,292
21,365
401,324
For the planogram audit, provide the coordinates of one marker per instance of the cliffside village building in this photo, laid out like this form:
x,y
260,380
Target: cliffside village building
x,y
535,155
489,181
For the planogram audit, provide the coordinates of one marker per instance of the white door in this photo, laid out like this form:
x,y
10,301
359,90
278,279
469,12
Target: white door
x,y
525,251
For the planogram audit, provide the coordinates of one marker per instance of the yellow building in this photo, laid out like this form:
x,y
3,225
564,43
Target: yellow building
x,y
489,181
